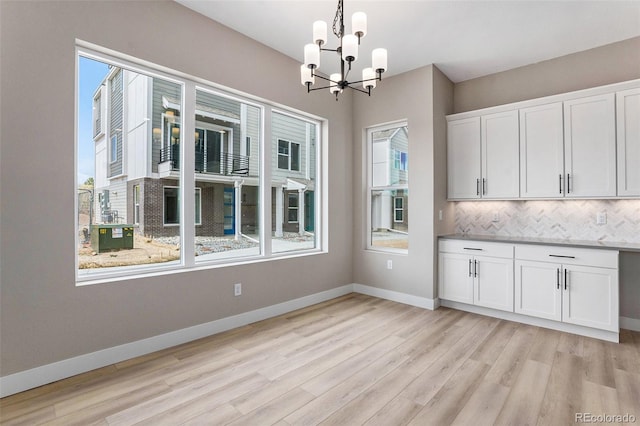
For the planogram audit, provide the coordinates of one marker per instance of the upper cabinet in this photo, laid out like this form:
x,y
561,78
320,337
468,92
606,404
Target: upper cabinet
x,y
628,126
582,144
463,158
590,147
483,157
541,152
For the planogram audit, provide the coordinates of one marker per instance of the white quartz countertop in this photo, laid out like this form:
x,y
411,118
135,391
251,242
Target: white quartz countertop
x,y
610,245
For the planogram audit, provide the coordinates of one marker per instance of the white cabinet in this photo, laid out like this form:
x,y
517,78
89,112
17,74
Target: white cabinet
x,y
628,131
482,157
463,158
572,285
476,273
541,151
500,156
590,147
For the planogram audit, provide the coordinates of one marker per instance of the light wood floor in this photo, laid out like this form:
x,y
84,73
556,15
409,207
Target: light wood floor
x,y
349,361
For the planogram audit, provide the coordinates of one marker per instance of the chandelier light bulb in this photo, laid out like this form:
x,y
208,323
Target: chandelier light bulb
x,y
379,60
350,48
320,32
334,85
369,78
312,55
306,76
359,24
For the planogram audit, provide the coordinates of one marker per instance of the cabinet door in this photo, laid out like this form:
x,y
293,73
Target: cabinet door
x,y
463,158
541,152
590,146
493,283
591,297
456,277
537,289
500,155
628,130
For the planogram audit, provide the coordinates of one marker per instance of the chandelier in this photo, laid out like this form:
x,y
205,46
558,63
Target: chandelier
x,y
348,53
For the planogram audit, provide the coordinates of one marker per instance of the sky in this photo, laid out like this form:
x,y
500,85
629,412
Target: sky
x,y
90,75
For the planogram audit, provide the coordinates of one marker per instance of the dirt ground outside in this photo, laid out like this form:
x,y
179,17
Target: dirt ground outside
x,y
144,251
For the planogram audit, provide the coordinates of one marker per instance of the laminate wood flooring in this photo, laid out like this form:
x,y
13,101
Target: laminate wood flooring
x,y
354,360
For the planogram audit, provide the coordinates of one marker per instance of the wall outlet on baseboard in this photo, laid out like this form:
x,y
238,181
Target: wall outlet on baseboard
x,y
237,289
389,264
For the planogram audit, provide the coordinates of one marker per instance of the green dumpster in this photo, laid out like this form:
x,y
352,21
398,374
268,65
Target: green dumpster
x,y
108,237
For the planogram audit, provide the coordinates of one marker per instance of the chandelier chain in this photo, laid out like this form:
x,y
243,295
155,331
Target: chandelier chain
x,y
338,27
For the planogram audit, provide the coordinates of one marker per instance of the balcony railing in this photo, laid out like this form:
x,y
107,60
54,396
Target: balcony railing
x,y
216,163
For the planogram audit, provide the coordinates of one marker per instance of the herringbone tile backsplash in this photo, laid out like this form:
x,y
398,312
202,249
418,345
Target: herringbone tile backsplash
x,y
563,219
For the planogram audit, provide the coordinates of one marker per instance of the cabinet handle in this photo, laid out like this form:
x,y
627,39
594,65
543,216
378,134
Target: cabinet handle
x,y
559,255
558,279
560,179
568,183
565,278
471,248
477,186
469,267
475,268
484,186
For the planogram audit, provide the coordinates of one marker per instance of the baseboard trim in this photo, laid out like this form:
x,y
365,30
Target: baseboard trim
x,y
395,296
29,379
610,336
632,324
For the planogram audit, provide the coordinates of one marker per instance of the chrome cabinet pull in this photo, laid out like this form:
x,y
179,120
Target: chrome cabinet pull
x,y
471,248
475,268
484,185
568,183
469,267
559,255
560,179
565,278
477,186
558,279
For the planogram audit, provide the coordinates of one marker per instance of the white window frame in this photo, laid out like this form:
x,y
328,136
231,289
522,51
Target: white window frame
x,y
189,85
397,209
295,195
136,204
371,189
289,155
113,149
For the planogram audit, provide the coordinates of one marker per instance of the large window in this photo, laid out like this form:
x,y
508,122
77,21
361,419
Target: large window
x,y
388,188
294,182
137,209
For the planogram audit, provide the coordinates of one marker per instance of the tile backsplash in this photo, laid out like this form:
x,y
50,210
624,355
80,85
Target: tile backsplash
x,y
564,219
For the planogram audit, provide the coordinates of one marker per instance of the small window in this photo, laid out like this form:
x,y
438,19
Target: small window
x,y
136,204
292,215
288,155
172,206
114,148
398,209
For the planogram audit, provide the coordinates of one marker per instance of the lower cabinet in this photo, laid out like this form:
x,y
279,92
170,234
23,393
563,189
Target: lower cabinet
x,y
577,286
568,292
477,273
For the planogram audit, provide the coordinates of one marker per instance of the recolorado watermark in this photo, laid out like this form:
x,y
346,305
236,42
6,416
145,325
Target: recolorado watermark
x,y
604,418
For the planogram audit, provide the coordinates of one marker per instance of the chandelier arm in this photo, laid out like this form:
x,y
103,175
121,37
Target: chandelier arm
x,y
325,78
359,90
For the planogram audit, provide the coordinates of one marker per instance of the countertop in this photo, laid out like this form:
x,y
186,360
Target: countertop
x,y
609,245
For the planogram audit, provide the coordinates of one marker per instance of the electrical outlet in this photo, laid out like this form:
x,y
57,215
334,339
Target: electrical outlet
x,y
389,264
601,218
496,217
237,289
440,215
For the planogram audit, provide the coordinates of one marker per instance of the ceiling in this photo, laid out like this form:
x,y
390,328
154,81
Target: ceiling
x,y
465,39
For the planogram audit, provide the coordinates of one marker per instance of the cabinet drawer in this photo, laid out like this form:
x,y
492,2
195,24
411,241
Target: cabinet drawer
x,y
568,255
480,248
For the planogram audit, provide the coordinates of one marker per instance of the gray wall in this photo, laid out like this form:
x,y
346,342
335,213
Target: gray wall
x,y
608,64
406,96
44,317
